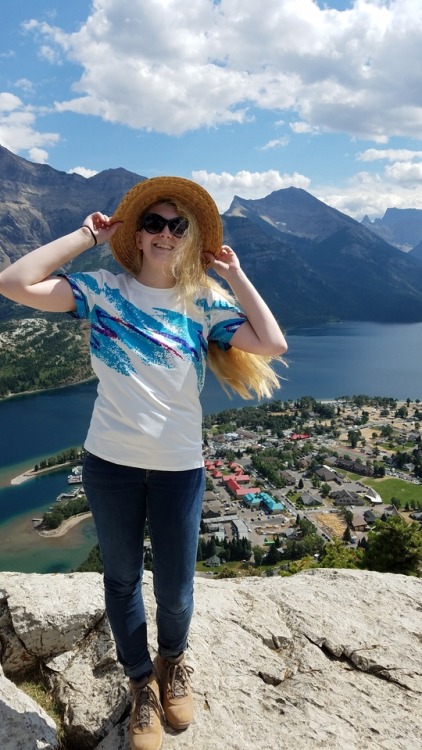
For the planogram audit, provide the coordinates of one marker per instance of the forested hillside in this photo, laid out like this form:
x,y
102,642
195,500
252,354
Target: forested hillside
x,y
36,354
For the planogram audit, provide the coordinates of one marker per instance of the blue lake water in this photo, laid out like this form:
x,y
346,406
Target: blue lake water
x,y
325,361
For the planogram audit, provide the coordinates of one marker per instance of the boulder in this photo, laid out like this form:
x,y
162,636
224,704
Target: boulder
x,y
327,659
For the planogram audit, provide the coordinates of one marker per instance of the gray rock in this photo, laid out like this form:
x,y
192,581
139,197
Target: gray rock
x,y
327,659
23,724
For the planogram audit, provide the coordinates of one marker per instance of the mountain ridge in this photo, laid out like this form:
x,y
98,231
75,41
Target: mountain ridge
x,y
312,263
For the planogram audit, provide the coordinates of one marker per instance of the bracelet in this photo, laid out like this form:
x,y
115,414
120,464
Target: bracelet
x,y
85,226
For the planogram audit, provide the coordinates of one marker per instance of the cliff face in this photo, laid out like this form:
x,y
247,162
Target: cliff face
x,y
326,659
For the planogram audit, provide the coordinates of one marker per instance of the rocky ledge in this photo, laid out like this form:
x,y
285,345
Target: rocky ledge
x,y
327,659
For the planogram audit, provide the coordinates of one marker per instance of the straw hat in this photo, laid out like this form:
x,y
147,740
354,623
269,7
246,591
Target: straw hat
x,y
153,190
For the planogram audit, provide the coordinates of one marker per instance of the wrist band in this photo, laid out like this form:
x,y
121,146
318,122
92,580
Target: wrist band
x,y
85,226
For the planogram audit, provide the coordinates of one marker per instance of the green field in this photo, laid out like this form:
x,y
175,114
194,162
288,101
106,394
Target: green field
x,y
388,488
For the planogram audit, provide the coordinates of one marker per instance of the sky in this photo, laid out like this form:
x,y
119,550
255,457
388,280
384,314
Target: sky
x,y
245,97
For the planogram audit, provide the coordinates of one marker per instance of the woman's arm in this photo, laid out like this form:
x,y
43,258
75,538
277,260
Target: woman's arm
x,y
29,281
261,334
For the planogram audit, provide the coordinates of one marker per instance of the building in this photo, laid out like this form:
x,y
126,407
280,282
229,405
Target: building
x,y
356,467
345,497
240,528
211,510
309,500
213,562
326,474
269,504
252,500
288,477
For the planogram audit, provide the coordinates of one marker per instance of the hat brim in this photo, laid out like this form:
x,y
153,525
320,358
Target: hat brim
x,y
151,191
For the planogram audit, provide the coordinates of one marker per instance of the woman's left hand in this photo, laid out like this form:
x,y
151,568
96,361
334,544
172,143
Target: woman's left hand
x,y
223,263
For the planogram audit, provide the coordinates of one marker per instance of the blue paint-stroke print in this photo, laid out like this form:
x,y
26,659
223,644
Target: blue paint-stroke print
x,y
155,340
149,339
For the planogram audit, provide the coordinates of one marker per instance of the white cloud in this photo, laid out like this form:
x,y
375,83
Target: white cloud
x,y
25,84
405,173
83,171
49,54
390,154
365,193
8,102
17,128
172,66
38,155
300,127
275,143
224,186
371,194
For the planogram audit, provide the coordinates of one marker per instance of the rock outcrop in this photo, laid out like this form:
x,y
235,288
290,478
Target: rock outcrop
x,y
327,659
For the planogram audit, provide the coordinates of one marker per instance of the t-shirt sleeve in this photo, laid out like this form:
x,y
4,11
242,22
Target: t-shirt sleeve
x,y
225,319
85,287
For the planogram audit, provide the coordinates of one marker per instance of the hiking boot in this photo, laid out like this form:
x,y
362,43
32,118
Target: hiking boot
x,y
145,728
176,694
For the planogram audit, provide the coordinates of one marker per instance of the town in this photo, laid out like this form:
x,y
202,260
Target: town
x,y
293,484
326,471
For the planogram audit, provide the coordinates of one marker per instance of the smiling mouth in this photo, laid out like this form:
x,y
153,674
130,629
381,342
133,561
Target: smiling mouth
x,y
159,246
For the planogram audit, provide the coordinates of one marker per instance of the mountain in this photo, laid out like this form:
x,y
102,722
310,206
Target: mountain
x,y
401,227
291,212
39,203
416,252
311,262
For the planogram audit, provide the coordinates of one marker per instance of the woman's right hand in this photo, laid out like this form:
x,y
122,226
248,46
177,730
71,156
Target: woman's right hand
x,y
101,226
30,280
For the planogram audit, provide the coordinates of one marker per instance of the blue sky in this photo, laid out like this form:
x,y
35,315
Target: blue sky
x,y
243,97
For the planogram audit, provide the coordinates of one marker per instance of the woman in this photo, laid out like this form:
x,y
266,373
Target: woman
x,y
152,329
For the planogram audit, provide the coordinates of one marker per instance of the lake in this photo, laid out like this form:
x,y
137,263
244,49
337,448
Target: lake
x,y
326,362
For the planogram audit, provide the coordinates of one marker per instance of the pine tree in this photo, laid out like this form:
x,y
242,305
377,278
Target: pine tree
x,y
395,547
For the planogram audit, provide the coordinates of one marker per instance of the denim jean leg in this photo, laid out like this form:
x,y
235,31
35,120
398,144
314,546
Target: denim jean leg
x,y
174,502
117,498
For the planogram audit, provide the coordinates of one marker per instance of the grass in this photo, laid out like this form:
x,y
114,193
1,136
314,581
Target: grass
x,y
391,487
33,686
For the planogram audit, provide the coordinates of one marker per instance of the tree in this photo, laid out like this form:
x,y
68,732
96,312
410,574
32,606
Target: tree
x,y
347,537
148,561
273,556
395,546
258,554
353,437
386,430
336,555
226,572
347,515
209,485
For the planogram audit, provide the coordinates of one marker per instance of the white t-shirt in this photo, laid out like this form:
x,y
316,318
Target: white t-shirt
x,y
148,350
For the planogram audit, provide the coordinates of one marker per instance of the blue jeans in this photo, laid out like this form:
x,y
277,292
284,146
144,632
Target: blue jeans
x,y
121,498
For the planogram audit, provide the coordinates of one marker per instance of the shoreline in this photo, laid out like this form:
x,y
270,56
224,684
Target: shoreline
x,y
65,526
31,473
23,394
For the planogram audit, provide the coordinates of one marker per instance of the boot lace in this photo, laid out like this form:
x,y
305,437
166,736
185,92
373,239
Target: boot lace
x,y
145,702
179,679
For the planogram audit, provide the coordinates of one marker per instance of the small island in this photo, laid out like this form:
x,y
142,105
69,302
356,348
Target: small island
x,y
70,458
63,516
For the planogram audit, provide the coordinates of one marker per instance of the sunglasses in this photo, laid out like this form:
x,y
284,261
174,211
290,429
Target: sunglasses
x,y
154,224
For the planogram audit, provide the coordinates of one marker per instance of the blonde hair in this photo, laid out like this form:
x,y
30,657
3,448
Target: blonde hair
x,y
243,372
